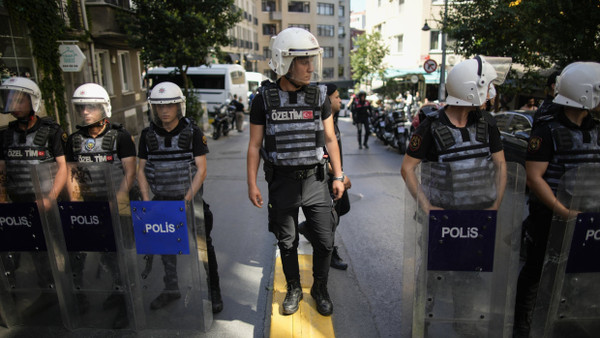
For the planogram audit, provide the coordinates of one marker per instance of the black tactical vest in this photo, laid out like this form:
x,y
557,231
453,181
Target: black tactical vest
x,y
170,165
102,149
294,133
572,148
24,150
464,177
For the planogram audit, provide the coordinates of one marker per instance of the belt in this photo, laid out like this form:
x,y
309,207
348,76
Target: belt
x,y
300,174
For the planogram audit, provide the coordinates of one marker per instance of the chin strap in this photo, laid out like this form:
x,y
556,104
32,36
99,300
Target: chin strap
x,y
294,83
95,124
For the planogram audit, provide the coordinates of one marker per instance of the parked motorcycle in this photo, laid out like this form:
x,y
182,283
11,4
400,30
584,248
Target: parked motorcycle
x,y
378,124
396,132
222,123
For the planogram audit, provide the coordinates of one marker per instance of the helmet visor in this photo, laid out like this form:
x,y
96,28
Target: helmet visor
x,y
501,66
306,69
89,113
14,101
166,113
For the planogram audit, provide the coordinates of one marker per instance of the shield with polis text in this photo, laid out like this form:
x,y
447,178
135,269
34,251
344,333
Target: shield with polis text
x,y
461,251
568,301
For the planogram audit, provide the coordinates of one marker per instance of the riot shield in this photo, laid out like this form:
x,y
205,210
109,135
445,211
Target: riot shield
x,y
97,242
172,254
460,261
568,301
28,290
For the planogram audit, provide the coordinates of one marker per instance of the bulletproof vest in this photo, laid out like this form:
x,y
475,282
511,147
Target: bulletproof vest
x,y
464,177
170,160
572,148
294,134
24,150
102,149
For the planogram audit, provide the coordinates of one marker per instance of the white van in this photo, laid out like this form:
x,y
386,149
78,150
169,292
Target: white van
x,y
213,84
254,80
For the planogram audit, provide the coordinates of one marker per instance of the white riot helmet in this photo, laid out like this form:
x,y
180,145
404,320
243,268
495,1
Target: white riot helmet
x,y
16,89
291,43
469,81
167,93
92,104
579,85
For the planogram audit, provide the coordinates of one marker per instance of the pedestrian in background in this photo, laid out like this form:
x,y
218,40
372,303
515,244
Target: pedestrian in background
x,y
361,112
239,113
293,119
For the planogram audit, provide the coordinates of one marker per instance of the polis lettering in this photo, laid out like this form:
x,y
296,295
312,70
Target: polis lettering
x,y
15,221
592,234
85,220
160,228
457,232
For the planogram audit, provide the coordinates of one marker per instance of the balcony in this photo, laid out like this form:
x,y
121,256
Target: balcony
x,y
275,16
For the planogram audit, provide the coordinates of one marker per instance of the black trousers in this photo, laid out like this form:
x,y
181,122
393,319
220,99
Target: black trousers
x,y
529,278
286,196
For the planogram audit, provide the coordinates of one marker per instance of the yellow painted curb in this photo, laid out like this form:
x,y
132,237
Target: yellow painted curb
x,y
307,322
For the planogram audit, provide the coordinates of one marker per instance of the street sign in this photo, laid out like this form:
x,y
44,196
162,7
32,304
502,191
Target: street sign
x,y
71,58
430,66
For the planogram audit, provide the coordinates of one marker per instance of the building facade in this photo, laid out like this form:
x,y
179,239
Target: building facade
x,y
327,20
109,61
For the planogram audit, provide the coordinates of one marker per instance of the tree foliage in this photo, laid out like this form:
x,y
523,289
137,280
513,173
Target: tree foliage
x,y
180,33
367,58
535,33
46,28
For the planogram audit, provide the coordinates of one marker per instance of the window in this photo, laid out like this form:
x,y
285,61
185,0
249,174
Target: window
x,y
341,32
125,71
269,29
238,77
301,25
299,6
340,70
341,11
15,54
341,53
102,66
324,9
267,52
435,42
328,73
327,52
400,43
325,30
268,5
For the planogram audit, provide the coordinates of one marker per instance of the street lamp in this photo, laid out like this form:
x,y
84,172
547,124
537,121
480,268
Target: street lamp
x,y
442,89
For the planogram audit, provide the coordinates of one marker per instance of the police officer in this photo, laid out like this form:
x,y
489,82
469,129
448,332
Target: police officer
x,y
462,135
29,140
557,144
548,107
294,120
174,139
361,111
97,140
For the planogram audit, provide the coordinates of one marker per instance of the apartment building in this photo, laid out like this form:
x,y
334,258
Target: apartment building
x,y
327,20
244,49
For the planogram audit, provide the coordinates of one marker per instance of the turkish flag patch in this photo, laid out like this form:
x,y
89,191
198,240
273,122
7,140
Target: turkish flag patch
x,y
307,114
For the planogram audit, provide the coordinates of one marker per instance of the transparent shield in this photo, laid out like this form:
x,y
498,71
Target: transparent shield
x,y
461,260
96,238
171,254
28,289
568,302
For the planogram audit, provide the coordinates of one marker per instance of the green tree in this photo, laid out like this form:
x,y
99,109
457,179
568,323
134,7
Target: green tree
x,y
46,28
535,33
181,33
367,59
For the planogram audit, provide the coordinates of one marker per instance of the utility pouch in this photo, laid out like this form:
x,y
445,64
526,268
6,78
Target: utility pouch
x,y
321,172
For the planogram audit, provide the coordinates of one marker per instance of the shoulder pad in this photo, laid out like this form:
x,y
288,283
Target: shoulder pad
x,y
116,126
76,141
185,137
312,95
109,139
266,82
191,121
489,118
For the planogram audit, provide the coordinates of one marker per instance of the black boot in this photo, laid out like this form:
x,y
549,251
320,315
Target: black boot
x,y
292,297
321,297
336,260
215,298
165,298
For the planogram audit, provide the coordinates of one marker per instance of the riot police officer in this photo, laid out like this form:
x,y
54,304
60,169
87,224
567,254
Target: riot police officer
x,y
172,138
459,133
28,140
290,122
558,143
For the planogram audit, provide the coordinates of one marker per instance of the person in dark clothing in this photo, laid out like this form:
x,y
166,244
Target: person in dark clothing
x,y
290,123
174,141
547,107
558,143
361,112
